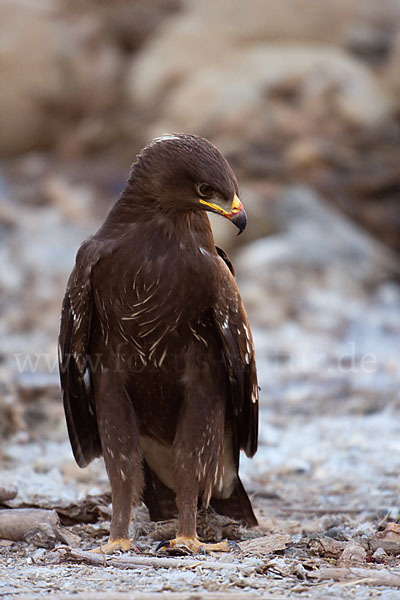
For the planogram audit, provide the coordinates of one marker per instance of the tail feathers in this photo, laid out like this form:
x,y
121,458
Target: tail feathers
x,y
160,501
237,506
158,498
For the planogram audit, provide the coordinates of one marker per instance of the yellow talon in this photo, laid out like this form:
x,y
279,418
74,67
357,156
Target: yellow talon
x,y
194,545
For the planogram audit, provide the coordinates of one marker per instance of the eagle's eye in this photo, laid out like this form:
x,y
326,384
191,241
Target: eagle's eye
x,y
204,190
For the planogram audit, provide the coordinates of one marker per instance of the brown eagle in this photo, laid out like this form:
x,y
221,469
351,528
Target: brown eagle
x,y
156,355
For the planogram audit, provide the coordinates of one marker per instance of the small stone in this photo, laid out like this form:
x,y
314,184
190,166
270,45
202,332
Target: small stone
x,y
379,553
300,571
226,558
39,554
352,555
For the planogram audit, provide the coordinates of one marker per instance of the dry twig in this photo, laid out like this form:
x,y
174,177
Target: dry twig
x,y
132,562
35,525
368,576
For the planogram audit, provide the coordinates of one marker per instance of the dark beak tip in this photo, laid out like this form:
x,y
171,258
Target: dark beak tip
x,y
240,220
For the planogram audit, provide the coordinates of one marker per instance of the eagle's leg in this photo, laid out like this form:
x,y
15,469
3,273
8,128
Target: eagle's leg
x,y
198,448
122,456
189,483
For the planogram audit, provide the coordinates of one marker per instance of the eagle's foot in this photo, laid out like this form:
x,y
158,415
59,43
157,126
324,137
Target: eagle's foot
x,y
118,545
188,545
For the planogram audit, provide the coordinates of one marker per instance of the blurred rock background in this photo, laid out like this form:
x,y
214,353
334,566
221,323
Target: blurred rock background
x,y
303,98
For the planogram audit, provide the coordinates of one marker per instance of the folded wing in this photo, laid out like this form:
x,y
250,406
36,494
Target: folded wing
x,y
238,351
74,360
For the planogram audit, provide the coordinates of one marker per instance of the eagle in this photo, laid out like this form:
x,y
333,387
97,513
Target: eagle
x,y
156,356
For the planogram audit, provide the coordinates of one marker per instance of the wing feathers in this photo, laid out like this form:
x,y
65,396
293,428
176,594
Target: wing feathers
x,y
238,350
74,367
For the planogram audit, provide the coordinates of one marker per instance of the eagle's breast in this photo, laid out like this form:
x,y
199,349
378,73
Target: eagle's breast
x,y
158,300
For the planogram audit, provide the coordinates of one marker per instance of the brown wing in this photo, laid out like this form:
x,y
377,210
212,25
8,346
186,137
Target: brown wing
x,y
238,350
75,371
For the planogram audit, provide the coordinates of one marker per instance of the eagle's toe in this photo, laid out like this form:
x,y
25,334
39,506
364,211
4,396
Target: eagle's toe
x,y
188,545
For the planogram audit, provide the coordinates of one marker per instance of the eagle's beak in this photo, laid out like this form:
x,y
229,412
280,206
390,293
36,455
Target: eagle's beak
x,y
236,214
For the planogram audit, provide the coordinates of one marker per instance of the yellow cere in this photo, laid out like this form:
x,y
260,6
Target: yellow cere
x,y
236,205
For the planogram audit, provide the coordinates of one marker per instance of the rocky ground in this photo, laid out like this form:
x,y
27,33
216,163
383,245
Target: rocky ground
x,y
302,97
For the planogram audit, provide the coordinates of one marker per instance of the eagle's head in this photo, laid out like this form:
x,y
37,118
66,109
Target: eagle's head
x,y
180,172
